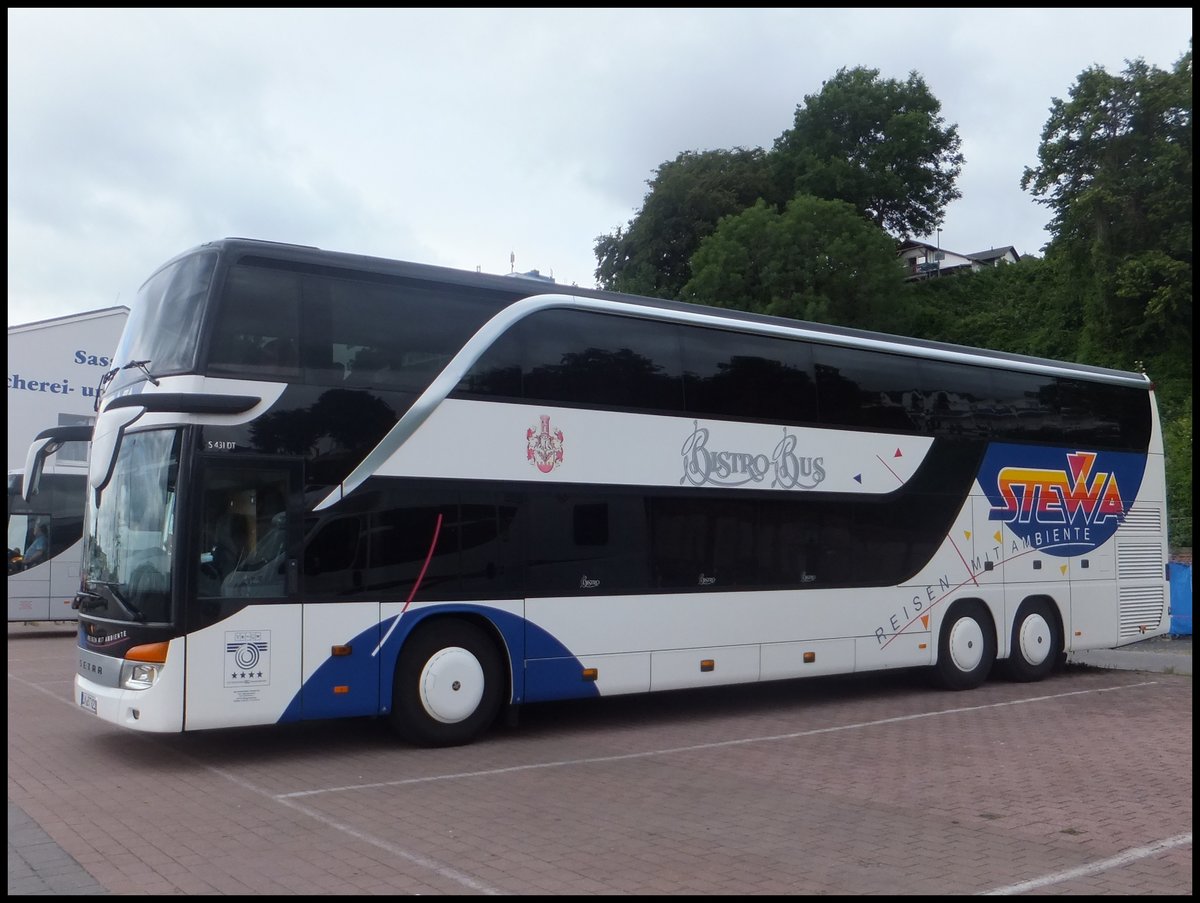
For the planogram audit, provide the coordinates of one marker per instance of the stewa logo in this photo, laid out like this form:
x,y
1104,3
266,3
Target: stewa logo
x,y
732,468
1061,502
544,450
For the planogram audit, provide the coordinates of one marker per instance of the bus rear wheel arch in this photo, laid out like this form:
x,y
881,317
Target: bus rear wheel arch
x,y
966,646
449,683
1036,645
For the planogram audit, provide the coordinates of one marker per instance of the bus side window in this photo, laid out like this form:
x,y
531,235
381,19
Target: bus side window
x,y
279,353
369,366
244,534
39,545
334,557
28,541
258,328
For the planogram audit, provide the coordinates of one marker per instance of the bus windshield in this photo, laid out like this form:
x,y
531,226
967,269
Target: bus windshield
x,y
128,555
165,320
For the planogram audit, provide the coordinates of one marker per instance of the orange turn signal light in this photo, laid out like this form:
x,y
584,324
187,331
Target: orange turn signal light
x,y
150,652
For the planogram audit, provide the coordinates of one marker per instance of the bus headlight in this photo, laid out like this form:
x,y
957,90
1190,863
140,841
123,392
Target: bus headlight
x,y
139,675
142,665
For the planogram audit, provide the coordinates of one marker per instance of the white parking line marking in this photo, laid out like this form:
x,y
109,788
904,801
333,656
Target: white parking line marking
x,y
445,871
703,746
1125,858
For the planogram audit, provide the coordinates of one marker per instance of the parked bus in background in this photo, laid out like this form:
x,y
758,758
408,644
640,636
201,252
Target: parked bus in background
x,y
44,547
327,485
55,366
45,527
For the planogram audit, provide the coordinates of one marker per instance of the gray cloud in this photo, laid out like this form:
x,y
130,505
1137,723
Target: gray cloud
x,y
455,137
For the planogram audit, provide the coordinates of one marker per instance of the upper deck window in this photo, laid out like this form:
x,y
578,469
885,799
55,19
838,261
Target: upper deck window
x,y
358,330
257,331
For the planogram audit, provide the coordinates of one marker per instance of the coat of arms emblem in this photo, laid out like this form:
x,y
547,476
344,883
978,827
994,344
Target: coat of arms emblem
x,y
544,448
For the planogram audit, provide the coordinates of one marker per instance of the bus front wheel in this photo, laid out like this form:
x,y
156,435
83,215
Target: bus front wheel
x,y
966,647
448,684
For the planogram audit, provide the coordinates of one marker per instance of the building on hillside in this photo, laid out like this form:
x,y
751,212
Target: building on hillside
x,y
54,368
922,260
532,274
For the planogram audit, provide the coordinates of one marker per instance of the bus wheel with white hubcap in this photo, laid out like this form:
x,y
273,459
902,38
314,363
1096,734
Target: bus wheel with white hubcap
x,y
448,684
1036,643
966,647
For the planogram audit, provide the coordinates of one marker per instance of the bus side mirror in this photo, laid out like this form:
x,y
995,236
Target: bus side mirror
x,y
35,461
46,443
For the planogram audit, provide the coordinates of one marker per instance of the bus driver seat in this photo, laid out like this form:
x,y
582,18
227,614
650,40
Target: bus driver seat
x,y
230,547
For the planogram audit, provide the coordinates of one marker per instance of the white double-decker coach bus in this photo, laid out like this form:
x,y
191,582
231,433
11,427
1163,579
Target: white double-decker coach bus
x,y
327,485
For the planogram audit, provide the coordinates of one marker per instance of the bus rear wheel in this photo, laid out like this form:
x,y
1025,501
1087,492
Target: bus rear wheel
x,y
1036,643
966,647
448,684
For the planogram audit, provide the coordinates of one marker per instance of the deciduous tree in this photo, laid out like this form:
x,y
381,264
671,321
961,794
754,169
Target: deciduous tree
x,y
881,145
818,260
687,197
1115,169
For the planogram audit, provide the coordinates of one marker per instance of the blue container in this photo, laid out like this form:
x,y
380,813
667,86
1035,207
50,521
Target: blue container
x,y
1181,598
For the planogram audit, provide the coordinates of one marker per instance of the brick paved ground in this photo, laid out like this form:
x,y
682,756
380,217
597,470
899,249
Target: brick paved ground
x,y
1078,785
38,865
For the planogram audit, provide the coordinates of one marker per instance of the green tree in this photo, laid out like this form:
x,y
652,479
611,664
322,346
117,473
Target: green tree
x,y
818,260
878,144
687,197
1115,169
1177,440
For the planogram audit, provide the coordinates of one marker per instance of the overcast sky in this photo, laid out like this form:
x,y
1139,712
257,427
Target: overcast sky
x,y
458,137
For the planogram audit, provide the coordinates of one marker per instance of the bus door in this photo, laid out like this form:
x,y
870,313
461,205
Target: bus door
x,y
244,626
341,628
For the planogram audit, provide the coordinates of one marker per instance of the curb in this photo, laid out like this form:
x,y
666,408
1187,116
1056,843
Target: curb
x,y
1165,655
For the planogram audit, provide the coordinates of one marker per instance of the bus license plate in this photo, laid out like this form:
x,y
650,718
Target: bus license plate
x,y
87,701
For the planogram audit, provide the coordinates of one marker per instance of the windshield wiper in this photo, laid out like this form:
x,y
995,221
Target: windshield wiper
x,y
85,601
144,367
104,381
110,587
108,377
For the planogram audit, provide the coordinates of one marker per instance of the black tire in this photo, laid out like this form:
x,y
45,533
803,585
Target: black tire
x,y
1037,643
966,647
448,684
